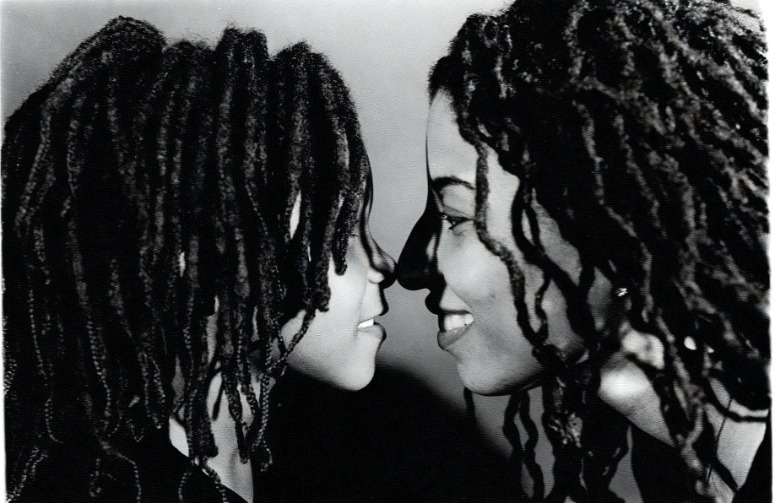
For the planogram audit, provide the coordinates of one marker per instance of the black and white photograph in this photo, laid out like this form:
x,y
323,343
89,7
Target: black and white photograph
x,y
372,251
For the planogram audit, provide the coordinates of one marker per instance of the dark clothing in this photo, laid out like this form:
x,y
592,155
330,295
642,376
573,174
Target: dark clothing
x,y
393,442
659,469
161,469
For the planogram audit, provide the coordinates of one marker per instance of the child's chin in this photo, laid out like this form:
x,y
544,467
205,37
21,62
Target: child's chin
x,y
356,379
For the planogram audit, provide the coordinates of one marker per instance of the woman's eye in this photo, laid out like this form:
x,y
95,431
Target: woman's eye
x,y
453,221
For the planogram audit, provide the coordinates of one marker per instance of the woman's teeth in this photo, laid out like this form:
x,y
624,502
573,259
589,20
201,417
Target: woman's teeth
x,y
367,323
452,321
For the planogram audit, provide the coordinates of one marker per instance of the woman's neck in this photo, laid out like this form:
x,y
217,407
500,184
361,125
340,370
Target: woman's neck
x,y
625,387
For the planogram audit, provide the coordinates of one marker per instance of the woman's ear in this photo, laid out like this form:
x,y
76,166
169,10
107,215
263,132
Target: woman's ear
x,y
604,306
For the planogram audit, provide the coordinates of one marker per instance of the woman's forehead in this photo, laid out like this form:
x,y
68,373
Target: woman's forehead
x,y
449,155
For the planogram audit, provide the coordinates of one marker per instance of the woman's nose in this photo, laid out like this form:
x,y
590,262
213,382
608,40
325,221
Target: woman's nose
x,y
417,263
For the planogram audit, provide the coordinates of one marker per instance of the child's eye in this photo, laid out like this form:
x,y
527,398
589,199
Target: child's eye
x,y
453,221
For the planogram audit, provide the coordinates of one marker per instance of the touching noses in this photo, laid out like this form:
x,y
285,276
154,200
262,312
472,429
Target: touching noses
x,y
417,263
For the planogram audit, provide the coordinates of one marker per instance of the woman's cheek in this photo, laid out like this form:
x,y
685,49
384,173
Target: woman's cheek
x,y
468,267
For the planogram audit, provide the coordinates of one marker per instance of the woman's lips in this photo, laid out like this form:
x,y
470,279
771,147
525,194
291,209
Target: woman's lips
x,y
453,328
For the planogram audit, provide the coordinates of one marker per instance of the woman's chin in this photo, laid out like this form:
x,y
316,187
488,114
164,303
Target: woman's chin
x,y
487,381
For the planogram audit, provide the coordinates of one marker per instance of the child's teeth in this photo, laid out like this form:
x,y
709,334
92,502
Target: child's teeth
x,y
367,323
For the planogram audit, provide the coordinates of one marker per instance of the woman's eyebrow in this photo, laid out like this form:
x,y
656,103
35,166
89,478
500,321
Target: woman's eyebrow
x,y
438,184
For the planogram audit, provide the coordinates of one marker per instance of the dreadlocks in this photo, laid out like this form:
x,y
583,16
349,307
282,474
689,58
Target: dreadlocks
x,y
640,127
145,186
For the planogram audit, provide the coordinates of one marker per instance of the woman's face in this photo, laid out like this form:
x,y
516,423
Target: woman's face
x,y
340,345
470,289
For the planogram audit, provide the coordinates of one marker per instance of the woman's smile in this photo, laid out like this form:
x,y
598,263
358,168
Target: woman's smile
x,y
452,327
471,290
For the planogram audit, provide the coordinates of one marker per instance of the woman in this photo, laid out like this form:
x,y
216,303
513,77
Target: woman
x,y
180,223
596,225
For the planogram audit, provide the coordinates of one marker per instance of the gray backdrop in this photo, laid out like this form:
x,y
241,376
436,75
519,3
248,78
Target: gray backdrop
x,y
384,50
